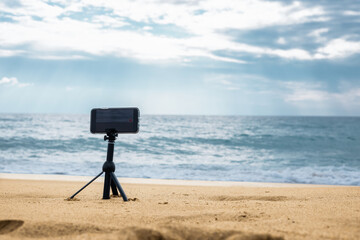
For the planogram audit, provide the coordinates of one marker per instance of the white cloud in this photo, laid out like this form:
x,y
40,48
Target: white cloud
x,y
299,54
253,84
108,21
226,59
314,93
13,81
351,13
10,81
281,41
102,34
317,34
217,15
10,52
46,56
223,81
305,92
338,48
146,28
30,8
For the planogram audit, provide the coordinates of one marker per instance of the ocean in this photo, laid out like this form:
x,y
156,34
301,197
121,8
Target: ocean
x,y
314,150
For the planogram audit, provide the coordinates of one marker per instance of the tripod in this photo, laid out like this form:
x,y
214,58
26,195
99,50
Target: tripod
x,y
109,169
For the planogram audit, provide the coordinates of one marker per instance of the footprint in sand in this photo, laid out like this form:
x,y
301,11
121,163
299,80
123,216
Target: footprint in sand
x,y
8,226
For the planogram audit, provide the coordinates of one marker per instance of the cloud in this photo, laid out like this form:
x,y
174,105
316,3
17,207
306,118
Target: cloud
x,y
302,96
300,91
146,28
10,52
317,34
217,15
46,56
281,40
249,83
351,13
338,48
221,80
13,81
108,21
68,30
305,93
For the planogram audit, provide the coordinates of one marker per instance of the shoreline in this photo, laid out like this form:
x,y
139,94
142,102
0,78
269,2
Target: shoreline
x,y
175,182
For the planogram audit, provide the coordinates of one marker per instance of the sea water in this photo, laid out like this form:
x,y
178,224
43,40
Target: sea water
x,y
316,150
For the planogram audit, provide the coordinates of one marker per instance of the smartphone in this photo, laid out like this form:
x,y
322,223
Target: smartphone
x,y
115,120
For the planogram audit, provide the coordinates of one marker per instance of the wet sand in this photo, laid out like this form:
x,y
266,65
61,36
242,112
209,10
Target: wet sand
x,y
35,206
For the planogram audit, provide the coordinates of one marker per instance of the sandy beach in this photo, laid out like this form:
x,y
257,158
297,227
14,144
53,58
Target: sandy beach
x,y
35,206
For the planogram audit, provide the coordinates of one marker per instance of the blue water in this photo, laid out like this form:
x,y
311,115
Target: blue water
x,y
318,150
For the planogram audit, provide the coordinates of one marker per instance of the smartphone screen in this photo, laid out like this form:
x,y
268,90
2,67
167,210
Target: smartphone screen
x,y
119,120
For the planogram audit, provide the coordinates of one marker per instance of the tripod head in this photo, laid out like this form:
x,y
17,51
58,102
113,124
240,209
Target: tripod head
x,y
111,136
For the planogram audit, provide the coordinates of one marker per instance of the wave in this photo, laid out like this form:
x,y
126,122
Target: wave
x,y
271,149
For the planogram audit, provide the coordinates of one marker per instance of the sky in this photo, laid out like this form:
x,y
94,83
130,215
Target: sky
x,y
181,57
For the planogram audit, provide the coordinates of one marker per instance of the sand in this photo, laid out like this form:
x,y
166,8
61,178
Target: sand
x,y
35,206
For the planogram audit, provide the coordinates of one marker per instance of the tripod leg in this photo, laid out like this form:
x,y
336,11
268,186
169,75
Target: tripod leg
x,y
86,185
107,183
114,179
113,188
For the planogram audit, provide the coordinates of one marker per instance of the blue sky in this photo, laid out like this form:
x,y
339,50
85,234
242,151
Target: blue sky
x,y
181,57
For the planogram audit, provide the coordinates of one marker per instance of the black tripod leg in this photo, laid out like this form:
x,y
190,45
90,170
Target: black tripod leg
x,y
86,185
113,188
107,183
114,179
